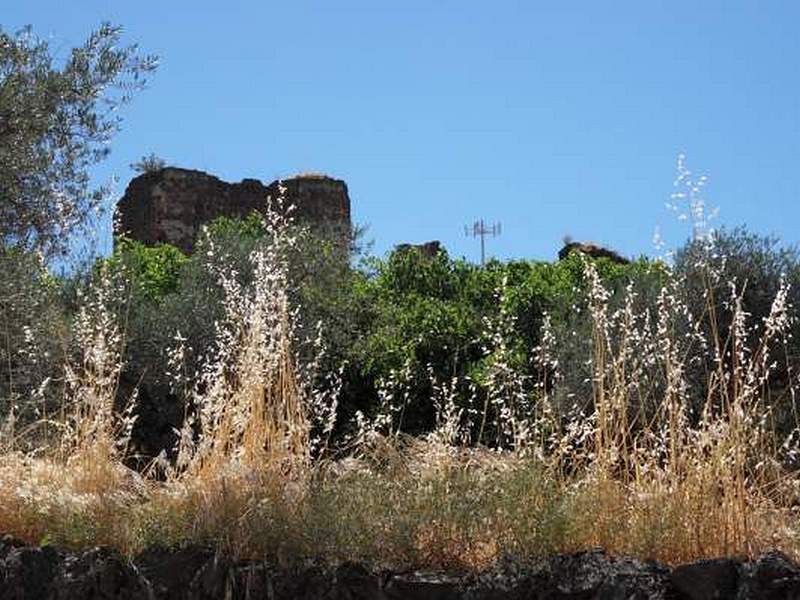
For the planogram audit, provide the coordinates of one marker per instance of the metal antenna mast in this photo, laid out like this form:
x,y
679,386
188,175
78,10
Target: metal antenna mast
x,y
481,230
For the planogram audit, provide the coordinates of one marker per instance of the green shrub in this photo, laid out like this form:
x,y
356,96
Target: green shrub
x,y
155,270
433,319
755,265
33,337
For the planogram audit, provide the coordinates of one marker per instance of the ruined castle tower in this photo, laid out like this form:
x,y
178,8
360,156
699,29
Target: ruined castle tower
x,y
172,204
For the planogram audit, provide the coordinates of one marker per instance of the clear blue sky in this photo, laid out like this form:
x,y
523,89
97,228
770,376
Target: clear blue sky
x,y
553,118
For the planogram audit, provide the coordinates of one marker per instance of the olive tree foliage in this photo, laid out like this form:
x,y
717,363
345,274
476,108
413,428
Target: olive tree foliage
x,y
56,121
32,339
739,265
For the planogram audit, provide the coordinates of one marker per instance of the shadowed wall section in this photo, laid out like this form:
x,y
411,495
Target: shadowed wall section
x,y
172,204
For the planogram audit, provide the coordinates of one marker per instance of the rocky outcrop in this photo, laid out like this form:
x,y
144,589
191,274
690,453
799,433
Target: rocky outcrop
x,y
172,204
592,250
190,573
428,249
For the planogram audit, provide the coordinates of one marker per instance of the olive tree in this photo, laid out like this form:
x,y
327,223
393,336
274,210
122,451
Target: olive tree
x,y
56,121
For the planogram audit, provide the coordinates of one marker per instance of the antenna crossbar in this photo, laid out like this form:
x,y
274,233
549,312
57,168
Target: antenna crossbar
x,y
481,230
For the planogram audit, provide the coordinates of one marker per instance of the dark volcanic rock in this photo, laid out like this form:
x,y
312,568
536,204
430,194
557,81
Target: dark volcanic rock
x,y
586,575
170,573
706,579
172,204
31,573
432,586
98,574
356,582
772,577
25,572
301,583
596,575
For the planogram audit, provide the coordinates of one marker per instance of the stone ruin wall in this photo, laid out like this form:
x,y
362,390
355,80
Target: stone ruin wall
x,y
172,204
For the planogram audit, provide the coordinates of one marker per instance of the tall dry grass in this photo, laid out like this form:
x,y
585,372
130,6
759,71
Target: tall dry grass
x,y
635,468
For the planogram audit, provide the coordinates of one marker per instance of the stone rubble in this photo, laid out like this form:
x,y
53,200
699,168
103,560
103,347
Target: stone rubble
x,y
198,573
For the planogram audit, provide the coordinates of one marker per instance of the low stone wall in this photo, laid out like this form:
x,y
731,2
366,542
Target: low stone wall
x,y
30,573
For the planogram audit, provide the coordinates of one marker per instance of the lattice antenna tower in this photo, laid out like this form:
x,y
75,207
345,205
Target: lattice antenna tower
x,y
481,230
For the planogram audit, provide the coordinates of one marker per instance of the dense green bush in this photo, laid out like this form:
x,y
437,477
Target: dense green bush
x,y
752,267
400,327
434,318
155,270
